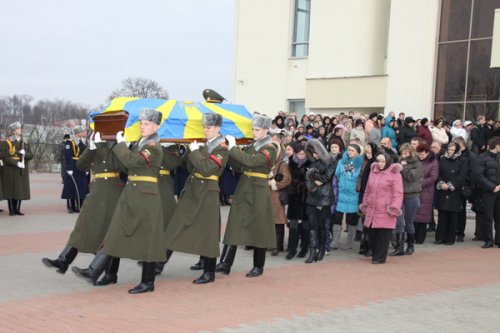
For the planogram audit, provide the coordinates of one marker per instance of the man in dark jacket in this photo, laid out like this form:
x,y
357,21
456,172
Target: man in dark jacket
x,y
489,181
407,131
479,136
470,159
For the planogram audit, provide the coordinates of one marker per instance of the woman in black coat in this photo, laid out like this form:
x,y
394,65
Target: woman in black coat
x,y
298,164
370,153
452,175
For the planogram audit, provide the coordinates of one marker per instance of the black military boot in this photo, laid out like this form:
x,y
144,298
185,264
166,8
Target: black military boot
x,y
62,262
95,269
411,241
198,266
227,259
208,271
111,271
313,247
18,207
259,259
147,279
159,266
400,245
72,206
226,199
12,211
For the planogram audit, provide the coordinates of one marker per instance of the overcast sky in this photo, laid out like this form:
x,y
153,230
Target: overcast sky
x,y
81,50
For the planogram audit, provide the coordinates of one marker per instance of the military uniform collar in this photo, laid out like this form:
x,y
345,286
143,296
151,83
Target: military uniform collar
x,y
262,142
13,138
153,138
212,144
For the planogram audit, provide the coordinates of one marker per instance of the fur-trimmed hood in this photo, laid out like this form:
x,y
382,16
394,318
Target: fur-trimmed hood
x,y
315,146
394,168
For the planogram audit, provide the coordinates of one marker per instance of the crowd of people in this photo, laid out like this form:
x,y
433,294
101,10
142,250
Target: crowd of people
x,y
379,179
385,176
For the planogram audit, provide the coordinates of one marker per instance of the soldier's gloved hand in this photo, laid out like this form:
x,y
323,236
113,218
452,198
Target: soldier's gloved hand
x,y
97,138
22,152
119,137
194,145
231,141
1,163
70,172
92,145
20,165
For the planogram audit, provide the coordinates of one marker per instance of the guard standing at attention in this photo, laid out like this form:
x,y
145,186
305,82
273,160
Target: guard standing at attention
x,y
136,230
76,182
96,213
251,218
196,223
16,174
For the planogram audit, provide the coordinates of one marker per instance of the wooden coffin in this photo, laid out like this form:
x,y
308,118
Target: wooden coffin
x,y
109,123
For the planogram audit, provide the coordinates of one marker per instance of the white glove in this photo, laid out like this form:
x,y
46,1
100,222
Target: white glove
x,y
22,152
231,141
194,145
92,145
70,172
20,165
97,138
1,163
119,137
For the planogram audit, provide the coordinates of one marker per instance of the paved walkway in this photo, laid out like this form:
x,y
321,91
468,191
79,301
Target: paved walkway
x,y
439,288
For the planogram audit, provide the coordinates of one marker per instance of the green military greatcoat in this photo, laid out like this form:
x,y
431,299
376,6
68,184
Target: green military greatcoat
x,y
136,229
195,226
16,181
251,218
171,160
99,205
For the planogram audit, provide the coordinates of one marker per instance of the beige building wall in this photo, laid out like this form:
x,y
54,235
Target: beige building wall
x,y
411,65
364,55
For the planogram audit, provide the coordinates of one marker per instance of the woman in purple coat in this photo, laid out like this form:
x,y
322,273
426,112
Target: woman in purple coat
x,y
381,205
431,172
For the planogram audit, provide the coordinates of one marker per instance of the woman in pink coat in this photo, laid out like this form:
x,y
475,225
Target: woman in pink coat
x,y
382,204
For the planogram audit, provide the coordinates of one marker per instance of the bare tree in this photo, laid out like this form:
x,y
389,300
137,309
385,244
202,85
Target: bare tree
x,y
139,87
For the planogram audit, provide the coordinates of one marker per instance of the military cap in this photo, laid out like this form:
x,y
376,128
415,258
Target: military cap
x,y
14,126
211,119
78,129
211,96
150,115
261,121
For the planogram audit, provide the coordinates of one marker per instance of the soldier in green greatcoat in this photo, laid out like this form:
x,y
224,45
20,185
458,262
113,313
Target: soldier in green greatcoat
x,y
251,218
15,176
196,223
98,207
171,160
137,227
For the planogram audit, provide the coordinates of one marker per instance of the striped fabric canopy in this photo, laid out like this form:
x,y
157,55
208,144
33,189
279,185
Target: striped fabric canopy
x,y
182,119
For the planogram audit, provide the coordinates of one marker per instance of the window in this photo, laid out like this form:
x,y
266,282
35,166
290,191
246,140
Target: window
x,y
298,106
465,84
300,43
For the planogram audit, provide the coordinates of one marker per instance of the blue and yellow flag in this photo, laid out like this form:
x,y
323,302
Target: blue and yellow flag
x,y
182,119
